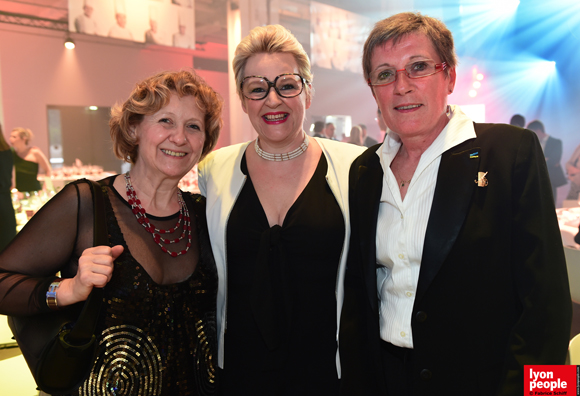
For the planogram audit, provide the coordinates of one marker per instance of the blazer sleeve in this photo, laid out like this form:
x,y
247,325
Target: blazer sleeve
x,y
359,337
541,334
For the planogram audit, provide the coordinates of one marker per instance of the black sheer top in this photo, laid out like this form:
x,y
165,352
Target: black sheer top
x,y
159,311
281,318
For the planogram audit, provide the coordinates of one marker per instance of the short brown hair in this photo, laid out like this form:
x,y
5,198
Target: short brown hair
x,y
24,134
152,94
399,25
270,39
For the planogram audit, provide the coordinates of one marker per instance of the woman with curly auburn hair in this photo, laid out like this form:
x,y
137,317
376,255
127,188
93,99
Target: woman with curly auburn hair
x,y
158,272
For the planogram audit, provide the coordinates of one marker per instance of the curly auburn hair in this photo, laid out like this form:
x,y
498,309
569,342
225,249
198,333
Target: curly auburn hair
x,y
154,93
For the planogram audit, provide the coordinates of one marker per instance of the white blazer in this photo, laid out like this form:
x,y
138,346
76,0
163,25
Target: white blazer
x,y
221,180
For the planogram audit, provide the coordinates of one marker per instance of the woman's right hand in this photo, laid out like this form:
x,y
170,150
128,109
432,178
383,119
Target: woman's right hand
x,y
95,270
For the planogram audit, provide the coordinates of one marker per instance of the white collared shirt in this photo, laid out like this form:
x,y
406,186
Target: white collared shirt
x,y
402,225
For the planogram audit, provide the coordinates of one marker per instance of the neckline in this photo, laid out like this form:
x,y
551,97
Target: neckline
x,y
322,163
119,196
110,211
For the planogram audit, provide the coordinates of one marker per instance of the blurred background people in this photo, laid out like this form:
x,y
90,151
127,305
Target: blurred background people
x,y
319,129
7,218
518,120
367,140
573,171
85,23
153,35
329,130
119,29
279,226
157,271
28,161
552,148
182,38
356,135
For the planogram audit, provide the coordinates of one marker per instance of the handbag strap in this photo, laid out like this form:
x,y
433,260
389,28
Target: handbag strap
x,y
84,328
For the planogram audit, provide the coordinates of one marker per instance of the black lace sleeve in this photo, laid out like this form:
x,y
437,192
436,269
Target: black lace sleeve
x,y
52,241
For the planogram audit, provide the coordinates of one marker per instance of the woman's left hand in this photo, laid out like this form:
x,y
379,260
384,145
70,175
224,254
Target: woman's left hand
x,y
95,270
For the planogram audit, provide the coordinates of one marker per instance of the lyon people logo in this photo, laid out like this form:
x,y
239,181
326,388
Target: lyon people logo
x,y
551,380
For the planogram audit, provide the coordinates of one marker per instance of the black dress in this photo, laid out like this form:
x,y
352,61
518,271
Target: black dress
x,y
7,219
26,174
156,337
281,312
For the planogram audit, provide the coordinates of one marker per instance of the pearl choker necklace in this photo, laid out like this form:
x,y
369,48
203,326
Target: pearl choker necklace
x,y
284,156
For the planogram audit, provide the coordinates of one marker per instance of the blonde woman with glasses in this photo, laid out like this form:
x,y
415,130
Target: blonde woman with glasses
x,y
278,220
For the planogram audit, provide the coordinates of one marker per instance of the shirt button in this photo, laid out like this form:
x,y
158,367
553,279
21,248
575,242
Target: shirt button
x,y
409,294
401,215
403,334
401,256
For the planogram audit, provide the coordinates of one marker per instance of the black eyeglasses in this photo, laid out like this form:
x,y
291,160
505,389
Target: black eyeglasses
x,y
418,69
287,85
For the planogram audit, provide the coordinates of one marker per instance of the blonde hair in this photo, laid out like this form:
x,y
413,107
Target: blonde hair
x,y
270,39
154,93
356,135
24,134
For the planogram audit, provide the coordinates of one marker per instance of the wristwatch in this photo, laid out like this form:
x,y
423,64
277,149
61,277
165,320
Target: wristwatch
x,y
51,294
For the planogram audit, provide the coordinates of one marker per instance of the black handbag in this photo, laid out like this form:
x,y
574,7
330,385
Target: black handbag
x,y
60,347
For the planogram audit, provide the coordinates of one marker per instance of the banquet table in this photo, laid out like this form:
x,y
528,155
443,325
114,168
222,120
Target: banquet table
x,y
568,220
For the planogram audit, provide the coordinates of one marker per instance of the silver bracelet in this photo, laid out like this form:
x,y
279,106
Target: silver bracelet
x,y
51,294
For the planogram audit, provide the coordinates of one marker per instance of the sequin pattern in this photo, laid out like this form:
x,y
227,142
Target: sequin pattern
x,y
131,365
158,339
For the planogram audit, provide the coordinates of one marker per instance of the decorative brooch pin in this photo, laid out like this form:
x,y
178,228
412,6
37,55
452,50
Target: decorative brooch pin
x,y
481,179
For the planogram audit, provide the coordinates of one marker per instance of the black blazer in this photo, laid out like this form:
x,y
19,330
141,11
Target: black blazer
x,y
493,290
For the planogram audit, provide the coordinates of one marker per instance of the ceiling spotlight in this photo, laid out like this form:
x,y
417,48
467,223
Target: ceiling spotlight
x,y
69,43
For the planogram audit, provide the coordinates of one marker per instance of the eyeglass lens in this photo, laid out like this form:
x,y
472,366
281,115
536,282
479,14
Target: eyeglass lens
x,y
413,70
286,85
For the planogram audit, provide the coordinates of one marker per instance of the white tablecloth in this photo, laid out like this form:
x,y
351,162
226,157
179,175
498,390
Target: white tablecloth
x,y
568,220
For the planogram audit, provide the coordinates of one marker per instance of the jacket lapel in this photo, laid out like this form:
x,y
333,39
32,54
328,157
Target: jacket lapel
x,y
453,193
368,196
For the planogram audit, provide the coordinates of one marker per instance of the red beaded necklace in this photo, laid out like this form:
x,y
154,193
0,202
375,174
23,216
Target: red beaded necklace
x,y
183,221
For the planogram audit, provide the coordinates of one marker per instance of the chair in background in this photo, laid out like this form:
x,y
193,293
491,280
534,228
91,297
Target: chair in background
x,y
574,351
